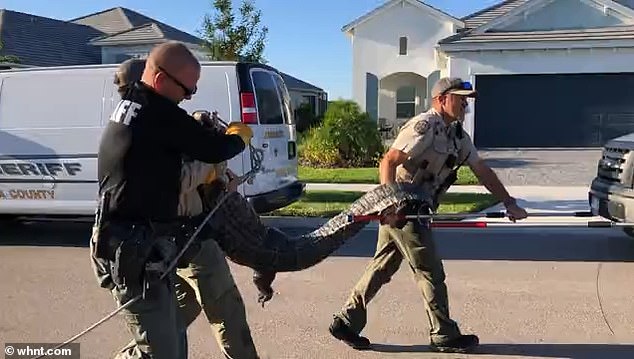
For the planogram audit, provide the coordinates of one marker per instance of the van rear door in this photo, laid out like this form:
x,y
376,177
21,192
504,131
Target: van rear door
x,y
266,107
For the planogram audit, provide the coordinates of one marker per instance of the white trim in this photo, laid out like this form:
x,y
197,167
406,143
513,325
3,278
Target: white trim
x,y
386,6
620,11
535,45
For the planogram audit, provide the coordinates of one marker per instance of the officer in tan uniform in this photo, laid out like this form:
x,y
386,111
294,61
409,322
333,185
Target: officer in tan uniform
x,y
206,280
425,151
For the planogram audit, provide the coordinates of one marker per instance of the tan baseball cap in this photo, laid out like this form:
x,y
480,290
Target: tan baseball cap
x,y
453,85
129,71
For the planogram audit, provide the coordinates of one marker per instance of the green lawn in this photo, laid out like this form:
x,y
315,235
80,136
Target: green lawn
x,y
364,175
331,203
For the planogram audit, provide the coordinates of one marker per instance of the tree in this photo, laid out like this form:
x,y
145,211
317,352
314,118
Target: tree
x,y
8,58
226,40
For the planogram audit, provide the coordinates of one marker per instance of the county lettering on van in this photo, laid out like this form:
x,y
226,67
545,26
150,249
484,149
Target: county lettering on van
x,y
55,169
44,194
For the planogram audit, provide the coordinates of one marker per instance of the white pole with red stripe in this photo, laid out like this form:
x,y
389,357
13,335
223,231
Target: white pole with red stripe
x,y
456,220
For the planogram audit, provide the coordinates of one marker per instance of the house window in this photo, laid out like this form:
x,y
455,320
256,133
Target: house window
x,y
311,101
402,44
405,102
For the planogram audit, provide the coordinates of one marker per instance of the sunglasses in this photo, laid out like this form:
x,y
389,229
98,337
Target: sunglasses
x,y
187,90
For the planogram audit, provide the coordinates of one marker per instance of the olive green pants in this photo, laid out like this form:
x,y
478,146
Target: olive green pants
x,y
208,282
156,326
414,243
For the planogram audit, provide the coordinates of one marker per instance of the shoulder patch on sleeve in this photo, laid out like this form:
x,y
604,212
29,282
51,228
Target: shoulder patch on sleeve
x,y
422,126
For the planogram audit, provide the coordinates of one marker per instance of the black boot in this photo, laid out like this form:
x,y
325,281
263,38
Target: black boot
x,y
341,331
461,344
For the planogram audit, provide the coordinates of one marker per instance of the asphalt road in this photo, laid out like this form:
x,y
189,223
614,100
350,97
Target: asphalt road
x,y
527,293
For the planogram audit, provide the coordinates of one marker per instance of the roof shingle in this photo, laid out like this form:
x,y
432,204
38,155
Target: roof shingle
x,y
119,20
110,21
293,83
145,33
41,41
483,16
606,33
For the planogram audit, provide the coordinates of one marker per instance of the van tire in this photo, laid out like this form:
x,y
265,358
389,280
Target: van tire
x,y
7,220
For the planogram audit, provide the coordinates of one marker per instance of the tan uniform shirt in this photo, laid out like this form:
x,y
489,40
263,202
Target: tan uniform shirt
x,y
428,141
193,174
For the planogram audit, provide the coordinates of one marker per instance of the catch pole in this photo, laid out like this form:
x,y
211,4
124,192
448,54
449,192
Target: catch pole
x,y
456,220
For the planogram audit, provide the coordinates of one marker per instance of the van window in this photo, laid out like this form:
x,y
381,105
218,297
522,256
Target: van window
x,y
268,101
286,99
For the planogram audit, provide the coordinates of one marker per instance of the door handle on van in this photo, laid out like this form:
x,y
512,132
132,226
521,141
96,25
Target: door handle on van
x,y
292,150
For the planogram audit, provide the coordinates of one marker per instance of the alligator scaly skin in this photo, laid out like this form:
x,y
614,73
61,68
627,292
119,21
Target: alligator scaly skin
x,y
240,233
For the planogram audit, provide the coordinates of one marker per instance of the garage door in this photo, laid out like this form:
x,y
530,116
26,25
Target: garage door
x,y
563,110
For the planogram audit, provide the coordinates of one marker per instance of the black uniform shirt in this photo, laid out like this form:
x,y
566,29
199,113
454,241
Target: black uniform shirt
x,y
141,151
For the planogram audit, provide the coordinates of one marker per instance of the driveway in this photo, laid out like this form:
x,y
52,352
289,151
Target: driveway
x,y
544,167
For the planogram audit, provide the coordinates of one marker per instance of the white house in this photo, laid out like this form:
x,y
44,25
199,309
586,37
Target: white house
x,y
549,73
394,56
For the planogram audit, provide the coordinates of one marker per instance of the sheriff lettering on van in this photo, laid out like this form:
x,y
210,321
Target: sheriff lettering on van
x,y
21,194
24,168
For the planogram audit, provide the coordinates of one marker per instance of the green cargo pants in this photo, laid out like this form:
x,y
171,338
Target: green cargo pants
x,y
208,282
414,243
154,322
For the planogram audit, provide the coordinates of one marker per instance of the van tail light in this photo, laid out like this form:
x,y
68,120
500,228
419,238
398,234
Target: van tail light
x,y
249,110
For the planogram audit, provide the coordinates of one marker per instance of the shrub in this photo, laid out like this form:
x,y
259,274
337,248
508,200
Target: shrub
x,y
318,150
346,138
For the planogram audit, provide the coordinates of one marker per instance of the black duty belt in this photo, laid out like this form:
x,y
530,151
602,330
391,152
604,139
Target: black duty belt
x,y
156,227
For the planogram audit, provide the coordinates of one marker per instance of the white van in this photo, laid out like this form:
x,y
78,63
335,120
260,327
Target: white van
x,y
51,120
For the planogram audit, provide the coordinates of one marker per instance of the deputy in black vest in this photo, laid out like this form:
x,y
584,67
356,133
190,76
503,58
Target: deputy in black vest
x,y
139,172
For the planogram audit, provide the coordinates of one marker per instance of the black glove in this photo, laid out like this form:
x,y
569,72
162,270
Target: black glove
x,y
263,282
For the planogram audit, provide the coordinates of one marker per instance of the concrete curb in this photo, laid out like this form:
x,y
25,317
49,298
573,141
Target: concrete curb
x,y
363,187
515,190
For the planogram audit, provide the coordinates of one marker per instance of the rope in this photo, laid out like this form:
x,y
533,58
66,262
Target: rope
x,y
605,319
133,300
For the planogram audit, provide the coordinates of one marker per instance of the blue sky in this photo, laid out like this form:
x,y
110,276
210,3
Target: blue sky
x,y
304,40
